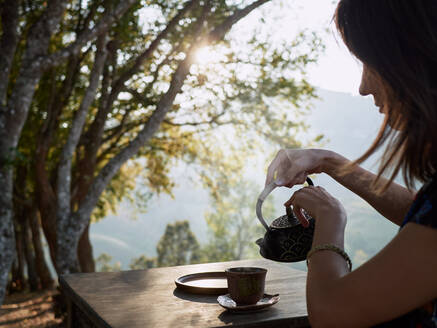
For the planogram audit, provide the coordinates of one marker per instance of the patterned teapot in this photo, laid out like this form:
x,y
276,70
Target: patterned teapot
x,y
285,240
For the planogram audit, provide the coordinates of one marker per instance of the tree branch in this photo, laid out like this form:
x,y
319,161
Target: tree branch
x,y
140,97
219,32
64,169
97,126
87,35
58,100
213,119
119,130
89,138
118,84
13,116
155,75
92,11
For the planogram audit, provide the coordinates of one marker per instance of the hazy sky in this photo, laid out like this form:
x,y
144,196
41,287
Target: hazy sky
x,y
336,69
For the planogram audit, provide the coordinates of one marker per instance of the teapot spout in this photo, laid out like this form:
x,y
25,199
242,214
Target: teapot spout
x,y
259,214
262,250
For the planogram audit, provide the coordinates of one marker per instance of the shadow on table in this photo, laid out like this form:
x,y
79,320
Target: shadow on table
x,y
235,318
256,319
195,297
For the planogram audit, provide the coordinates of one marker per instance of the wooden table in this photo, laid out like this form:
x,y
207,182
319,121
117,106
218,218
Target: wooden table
x,y
149,298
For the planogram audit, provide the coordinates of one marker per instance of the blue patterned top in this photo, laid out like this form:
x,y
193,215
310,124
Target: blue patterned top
x,y
422,211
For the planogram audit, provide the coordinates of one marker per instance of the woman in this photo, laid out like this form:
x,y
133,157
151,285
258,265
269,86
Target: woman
x,y
396,41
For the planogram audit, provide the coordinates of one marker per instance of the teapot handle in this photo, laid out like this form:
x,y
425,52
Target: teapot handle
x,y
267,190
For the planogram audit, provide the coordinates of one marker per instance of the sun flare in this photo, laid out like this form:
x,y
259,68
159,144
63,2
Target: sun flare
x,y
206,55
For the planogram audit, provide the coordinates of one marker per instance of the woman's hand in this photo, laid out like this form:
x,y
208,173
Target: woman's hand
x,y
320,205
292,166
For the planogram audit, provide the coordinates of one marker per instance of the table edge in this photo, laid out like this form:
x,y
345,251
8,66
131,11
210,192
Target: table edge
x,y
81,303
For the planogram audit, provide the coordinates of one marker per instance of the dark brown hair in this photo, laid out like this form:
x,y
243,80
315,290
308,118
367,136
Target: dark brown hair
x,y
397,39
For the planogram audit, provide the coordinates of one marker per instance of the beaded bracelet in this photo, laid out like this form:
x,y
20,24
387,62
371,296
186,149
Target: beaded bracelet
x,y
330,247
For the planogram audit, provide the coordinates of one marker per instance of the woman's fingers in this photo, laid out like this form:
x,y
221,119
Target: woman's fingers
x,y
303,192
304,198
316,202
298,212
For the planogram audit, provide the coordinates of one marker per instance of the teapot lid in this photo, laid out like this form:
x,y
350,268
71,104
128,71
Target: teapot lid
x,y
285,221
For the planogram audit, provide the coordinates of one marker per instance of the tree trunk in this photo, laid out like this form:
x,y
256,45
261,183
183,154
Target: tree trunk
x,y
40,263
48,216
7,237
23,211
12,286
33,62
18,280
85,252
12,119
68,241
45,194
64,199
32,276
8,44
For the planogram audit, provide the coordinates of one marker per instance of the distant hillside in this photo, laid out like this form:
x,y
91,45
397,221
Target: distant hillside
x,y
130,234
350,124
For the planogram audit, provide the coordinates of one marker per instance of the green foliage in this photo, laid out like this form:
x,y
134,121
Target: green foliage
x,y
232,224
255,86
103,264
15,157
124,186
143,262
249,96
178,245
232,231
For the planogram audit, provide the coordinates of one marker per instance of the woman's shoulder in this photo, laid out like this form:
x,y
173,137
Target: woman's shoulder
x,y
424,208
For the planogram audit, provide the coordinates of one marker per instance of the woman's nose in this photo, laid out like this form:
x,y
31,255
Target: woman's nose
x,y
364,89
367,86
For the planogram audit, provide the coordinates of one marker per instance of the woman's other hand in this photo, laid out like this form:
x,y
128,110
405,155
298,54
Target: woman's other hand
x,y
292,166
319,204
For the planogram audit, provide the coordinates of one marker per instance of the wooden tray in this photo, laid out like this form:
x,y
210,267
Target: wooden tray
x,y
206,283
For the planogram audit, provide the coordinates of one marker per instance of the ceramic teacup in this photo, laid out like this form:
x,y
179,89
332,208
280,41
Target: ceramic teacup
x,y
246,284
